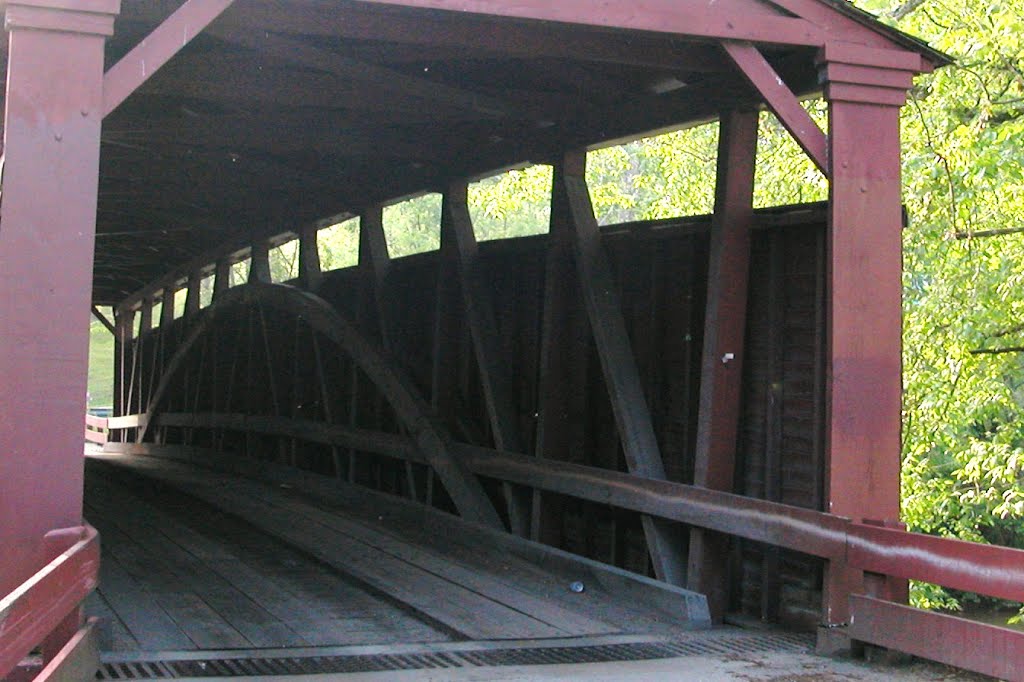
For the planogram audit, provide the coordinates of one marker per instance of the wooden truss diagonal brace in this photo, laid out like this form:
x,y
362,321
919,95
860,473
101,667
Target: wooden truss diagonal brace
x,y
157,48
98,314
457,233
781,100
604,308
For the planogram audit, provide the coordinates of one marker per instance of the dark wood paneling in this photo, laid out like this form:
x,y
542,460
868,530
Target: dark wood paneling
x,y
661,279
779,445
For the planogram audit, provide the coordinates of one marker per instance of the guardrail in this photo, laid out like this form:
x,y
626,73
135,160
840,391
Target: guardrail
x,y
45,604
878,551
97,429
966,566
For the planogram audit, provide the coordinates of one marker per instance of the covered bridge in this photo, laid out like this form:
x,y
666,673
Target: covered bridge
x,y
589,435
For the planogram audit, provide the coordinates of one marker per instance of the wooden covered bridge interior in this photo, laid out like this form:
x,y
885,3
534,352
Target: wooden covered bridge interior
x,y
594,437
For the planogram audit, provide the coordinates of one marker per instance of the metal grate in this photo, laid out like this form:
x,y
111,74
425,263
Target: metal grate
x,y
313,665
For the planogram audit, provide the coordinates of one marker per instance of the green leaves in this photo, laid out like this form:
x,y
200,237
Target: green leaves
x,y
964,413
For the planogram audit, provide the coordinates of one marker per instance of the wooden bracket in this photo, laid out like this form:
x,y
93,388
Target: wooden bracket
x,y
98,314
157,48
781,100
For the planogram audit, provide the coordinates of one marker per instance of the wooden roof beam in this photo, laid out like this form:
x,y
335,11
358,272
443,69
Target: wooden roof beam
x,y
320,131
723,20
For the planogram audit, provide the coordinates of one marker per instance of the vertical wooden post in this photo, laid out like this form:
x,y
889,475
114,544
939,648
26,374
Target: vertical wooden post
x,y
124,320
771,583
618,363
723,353
864,318
552,436
54,108
193,379
448,332
309,259
372,311
140,377
221,278
195,283
375,262
167,309
164,335
259,263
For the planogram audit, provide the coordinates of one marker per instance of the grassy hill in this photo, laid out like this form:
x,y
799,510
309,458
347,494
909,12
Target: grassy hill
x,y
101,365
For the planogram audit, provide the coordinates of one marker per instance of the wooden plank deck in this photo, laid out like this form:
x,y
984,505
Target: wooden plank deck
x,y
195,559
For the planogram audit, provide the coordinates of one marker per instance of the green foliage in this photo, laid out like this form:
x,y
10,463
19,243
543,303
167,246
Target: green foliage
x,y
656,177
963,411
413,226
512,204
239,274
284,261
784,174
338,245
101,363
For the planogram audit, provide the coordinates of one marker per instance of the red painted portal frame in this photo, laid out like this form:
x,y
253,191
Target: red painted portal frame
x,y
57,96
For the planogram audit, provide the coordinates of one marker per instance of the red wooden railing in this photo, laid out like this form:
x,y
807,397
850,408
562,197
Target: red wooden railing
x,y
970,567
40,609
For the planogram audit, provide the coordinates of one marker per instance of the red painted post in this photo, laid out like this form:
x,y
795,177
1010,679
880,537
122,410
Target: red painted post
x,y
723,355
863,361
54,108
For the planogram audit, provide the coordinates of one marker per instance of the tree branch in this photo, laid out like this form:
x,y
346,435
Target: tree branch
x,y
990,233
905,9
997,351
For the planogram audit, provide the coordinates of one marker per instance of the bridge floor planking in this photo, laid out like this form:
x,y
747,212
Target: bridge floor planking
x,y
200,560
177,574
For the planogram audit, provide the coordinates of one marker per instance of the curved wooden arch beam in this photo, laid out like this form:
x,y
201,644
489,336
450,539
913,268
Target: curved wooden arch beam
x,y
465,490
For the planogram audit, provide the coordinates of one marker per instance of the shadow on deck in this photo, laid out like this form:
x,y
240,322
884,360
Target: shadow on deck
x,y
208,573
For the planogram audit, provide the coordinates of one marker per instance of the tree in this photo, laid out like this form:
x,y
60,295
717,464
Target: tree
x,y
963,410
